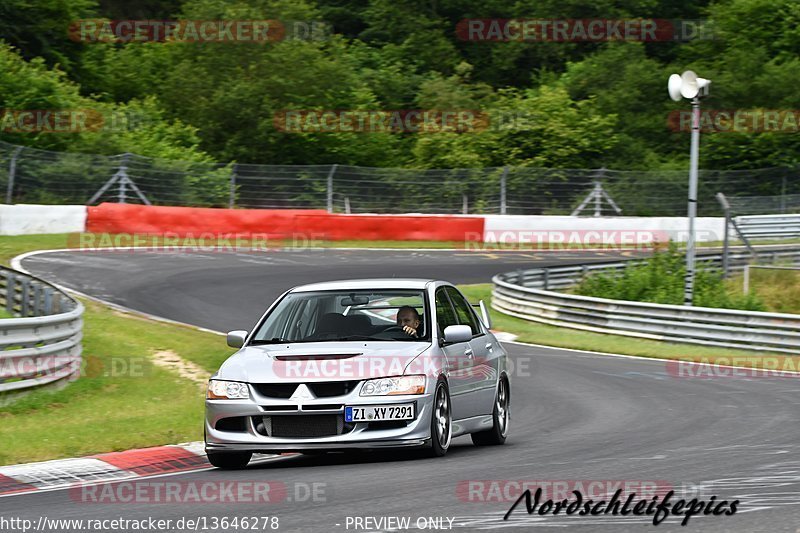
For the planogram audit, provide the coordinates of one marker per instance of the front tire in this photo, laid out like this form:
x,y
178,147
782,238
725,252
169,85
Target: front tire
x,y
441,421
229,460
500,418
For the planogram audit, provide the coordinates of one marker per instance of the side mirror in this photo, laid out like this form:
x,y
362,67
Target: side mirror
x,y
485,318
236,338
453,334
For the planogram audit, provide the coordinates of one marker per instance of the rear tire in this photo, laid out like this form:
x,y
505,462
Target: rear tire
x,y
229,460
441,421
500,418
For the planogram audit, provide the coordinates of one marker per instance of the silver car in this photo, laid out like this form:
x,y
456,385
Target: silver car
x,y
359,364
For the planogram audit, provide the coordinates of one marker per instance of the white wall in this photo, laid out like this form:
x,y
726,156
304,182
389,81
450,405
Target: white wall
x,y
24,219
628,230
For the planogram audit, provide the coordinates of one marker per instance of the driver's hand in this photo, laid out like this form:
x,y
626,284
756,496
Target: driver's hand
x,y
409,330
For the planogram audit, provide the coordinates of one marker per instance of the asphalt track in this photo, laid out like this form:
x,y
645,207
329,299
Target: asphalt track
x,y
576,417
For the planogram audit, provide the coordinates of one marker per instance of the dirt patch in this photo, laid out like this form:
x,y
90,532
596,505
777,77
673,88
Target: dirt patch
x,y
185,369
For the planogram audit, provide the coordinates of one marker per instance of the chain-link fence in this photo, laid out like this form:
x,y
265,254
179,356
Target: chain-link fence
x,y
29,175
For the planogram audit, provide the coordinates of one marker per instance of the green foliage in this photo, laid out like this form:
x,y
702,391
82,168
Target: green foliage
x,y
582,104
660,279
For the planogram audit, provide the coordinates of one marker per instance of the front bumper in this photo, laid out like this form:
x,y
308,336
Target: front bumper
x,y
363,435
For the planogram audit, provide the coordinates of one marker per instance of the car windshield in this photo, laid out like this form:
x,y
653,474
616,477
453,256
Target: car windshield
x,y
344,315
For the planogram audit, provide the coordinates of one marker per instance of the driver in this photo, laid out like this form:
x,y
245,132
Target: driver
x,y
408,318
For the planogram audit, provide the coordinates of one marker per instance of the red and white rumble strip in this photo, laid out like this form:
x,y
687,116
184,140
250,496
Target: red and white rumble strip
x,y
65,473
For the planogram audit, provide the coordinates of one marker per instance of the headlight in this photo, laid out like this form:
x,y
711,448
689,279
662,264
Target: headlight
x,y
227,390
390,386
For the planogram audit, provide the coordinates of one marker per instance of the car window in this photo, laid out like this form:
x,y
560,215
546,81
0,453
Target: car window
x,y
345,314
306,322
445,316
466,316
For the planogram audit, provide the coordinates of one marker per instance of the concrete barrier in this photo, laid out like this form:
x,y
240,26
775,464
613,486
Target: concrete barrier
x,y
26,219
509,229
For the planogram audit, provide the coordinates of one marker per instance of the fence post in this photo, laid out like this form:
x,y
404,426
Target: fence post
x,y
232,199
783,193
726,209
122,180
464,204
503,176
12,172
330,187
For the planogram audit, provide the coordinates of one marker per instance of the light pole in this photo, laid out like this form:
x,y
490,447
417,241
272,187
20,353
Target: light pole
x,y
689,86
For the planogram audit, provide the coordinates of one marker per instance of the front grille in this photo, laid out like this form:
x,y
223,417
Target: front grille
x,y
302,425
275,390
328,389
324,389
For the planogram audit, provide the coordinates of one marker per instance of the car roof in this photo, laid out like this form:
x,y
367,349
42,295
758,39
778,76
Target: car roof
x,y
377,283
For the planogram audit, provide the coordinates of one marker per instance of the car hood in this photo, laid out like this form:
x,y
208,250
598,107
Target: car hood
x,y
320,361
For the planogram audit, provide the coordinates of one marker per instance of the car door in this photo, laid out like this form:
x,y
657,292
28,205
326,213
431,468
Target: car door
x,y
482,376
459,359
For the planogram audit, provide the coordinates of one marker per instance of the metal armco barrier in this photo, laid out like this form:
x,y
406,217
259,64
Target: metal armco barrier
x,y
43,346
528,294
769,226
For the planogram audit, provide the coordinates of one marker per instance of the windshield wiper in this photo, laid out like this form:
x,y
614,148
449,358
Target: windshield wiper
x,y
274,340
360,338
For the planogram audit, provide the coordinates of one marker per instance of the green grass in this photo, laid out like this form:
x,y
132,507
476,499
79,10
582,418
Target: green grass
x,y
144,405
778,290
536,333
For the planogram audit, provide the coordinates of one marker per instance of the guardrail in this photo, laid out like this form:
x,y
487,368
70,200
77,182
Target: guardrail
x,y
769,226
528,294
43,346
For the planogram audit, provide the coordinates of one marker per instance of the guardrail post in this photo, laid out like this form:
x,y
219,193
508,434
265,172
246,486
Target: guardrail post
x,y
520,277
546,278
36,293
23,304
10,292
48,301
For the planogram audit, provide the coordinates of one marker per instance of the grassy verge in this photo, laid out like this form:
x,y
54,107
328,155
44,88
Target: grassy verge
x,y
778,290
584,340
123,401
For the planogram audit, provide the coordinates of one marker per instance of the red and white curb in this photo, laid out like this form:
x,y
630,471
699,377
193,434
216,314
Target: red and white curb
x,y
103,468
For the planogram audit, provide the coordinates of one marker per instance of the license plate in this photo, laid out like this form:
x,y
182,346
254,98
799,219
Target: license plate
x,y
379,412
